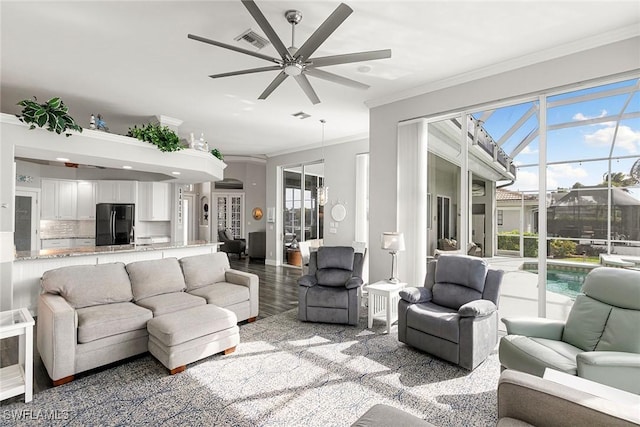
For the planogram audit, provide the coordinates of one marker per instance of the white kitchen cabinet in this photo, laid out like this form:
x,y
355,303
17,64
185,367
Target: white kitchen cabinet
x,y
84,243
116,192
59,199
86,200
57,243
154,201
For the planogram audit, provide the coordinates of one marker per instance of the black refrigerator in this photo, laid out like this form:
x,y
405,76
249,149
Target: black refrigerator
x,y
114,224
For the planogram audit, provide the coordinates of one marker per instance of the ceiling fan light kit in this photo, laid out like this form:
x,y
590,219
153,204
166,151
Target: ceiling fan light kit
x,y
297,62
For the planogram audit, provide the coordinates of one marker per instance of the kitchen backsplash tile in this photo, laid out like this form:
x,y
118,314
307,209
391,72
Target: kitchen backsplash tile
x,y
54,229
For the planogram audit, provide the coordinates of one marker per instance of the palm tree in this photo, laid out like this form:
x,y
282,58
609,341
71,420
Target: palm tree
x,y
618,179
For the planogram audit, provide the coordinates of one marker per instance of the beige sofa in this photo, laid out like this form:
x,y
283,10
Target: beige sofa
x,y
527,400
92,315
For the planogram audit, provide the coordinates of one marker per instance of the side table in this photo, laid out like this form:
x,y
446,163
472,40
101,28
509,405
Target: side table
x,y
17,379
383,301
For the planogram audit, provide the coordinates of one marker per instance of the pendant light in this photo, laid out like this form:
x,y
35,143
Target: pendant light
x,y
323,190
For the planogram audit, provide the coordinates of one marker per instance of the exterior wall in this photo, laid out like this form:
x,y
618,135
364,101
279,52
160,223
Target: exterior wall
x,y
340,173
584,66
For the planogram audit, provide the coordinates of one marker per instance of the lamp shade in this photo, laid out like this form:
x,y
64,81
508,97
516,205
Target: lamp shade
x,y
393,241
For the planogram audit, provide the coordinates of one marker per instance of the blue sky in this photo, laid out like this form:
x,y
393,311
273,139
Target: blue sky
x,y
571,144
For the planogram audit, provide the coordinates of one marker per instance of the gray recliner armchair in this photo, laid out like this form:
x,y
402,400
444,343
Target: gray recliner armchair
x,y
231,245
329,293
599,341
455,314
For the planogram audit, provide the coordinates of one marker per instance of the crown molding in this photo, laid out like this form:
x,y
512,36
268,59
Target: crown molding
x,y
586,43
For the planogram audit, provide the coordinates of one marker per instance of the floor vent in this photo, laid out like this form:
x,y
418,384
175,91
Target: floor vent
x,y
253,38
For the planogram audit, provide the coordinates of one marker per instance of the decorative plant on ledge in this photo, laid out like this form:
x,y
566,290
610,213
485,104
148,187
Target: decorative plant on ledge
x,y
52,113
217,153
161,136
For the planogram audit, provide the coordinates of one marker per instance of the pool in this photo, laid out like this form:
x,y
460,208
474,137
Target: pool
x,y
562,281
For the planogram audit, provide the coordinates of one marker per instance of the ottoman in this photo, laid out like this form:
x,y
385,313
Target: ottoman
x,y
185,336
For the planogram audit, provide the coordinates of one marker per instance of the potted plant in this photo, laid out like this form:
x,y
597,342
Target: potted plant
x,y
52,113
161,136
216,153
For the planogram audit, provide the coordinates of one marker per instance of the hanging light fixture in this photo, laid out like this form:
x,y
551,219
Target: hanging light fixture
x,y
323,190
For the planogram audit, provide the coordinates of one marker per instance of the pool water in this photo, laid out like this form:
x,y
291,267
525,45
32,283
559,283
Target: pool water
x,y
564,282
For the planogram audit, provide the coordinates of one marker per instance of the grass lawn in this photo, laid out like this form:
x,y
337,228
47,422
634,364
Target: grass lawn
x,y
578,258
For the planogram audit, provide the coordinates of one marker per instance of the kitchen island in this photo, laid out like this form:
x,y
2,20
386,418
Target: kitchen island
x,y
29,266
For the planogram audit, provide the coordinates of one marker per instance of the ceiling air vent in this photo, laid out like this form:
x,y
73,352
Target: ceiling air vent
x,y
253,38
301,115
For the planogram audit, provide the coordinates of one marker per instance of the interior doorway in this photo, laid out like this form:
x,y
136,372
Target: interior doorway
x,y
27,219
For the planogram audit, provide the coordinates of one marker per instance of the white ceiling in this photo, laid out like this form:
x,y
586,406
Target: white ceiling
x,y
132,60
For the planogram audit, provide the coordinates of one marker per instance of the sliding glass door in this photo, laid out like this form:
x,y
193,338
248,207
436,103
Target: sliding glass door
x,y
302,215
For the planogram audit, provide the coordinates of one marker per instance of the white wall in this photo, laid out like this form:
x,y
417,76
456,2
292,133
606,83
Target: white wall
x,y
252,173
340,177
604,61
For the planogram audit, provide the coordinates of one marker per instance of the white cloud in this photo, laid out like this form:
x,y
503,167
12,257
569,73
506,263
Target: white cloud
x,y
626,139
558,176
528,150
580,116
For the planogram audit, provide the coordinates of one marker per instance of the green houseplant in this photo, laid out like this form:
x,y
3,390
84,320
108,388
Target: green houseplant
x,y
52,113
161,136
216,153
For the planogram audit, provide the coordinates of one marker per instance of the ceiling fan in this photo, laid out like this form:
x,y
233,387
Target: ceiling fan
x,y
295,62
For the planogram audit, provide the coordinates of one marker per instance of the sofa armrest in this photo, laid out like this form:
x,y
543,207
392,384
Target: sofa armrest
x,y
308,280
415,295
477,308
250,280
56,335
537,401
354,282
534,327
613,368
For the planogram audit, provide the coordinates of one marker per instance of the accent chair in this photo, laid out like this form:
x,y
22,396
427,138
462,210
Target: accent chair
x,y
231,245
599,340
330,292
454,316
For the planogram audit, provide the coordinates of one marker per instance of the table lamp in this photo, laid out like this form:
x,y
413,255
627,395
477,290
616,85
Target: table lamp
x,y
393,242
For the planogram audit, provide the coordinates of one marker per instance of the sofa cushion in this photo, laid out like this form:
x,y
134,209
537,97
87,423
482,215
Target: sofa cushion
x,y
453,296
101,321
155,277
179,327
599,284
335,257
462,270
89,285
621,332
333,277
168,303
434,320
223,294
203,270
323,296
585,324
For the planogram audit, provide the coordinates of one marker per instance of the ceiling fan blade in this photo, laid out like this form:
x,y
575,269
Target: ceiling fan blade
x,y
335,78
334,20
274,84
249,71
306,87
237,49
266,27
349,57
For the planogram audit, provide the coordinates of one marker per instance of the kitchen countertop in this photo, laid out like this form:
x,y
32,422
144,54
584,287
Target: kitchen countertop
x,y
91,250
67,237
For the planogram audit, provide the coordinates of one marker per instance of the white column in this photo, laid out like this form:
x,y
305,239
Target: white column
x,y
412,200
542,210
465,176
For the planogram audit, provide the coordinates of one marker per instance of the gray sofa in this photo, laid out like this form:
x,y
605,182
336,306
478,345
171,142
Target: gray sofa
x,y
92,315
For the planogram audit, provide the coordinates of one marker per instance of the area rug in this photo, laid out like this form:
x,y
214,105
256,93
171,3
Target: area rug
x,y
283,373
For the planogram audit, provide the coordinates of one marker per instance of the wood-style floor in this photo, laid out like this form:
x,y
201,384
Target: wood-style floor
x,y
278,293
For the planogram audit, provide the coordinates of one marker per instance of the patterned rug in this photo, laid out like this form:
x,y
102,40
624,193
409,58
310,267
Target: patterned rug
x,y
283,373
